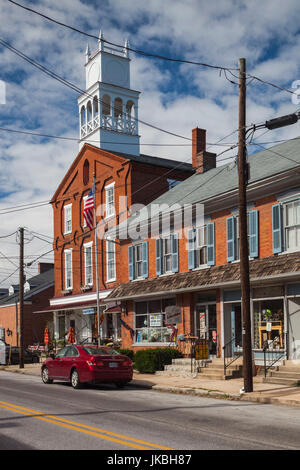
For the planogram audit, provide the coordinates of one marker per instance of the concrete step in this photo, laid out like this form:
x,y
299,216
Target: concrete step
x,y
171,373
285,375
220,365
173,367
281,381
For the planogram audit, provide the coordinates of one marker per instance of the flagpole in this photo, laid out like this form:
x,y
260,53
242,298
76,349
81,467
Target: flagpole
x,y
96,259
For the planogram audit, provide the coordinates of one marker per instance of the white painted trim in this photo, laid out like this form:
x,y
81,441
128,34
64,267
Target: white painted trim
x,y
79,298
67,206
88,245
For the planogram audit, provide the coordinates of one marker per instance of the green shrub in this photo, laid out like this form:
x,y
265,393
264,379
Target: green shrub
x,y
127,352
148,361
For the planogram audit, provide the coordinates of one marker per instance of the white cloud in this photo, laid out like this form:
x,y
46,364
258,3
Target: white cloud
x,y
174,97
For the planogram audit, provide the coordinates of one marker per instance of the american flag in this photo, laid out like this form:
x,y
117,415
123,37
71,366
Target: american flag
x,y
88,210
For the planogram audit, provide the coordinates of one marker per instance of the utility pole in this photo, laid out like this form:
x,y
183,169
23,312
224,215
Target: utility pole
x,y
243,231
21,297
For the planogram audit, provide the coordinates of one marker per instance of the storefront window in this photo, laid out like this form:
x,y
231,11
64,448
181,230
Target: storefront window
x,y
150,321
268,319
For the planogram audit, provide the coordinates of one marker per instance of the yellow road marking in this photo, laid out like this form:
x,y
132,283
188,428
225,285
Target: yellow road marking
x,y
90,430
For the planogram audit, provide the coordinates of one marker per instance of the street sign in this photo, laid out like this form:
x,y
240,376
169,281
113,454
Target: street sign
x,y
2,353
88,311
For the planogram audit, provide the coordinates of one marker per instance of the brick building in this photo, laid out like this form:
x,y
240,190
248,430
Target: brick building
x,y
194,269
110,153
37,292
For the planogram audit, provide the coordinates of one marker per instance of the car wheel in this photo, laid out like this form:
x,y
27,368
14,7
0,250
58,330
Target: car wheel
x,y
75,382
45,376
120,384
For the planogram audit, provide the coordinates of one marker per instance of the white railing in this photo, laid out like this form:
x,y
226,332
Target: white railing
x,y
118,124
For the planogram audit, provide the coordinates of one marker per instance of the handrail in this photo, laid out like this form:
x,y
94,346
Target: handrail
x,y
227,353
272,355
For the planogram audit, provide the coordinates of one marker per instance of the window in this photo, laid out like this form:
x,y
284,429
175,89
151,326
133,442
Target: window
x,y
138,261
110,200
118,107
86,172
167,254
110,261
68,270
68,218
292,225
150,321
233,236
61,326
88,264
106,105
201,246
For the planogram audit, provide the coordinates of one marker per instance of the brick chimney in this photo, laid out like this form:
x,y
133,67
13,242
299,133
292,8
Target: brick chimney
x,y
43,267
202,160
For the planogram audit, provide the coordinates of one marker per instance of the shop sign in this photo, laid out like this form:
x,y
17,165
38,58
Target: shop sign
x,y
155,320
202,325
2,353
88,311
173,315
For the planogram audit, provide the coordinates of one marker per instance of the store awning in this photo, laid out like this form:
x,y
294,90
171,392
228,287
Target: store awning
x,y
272,269
61,307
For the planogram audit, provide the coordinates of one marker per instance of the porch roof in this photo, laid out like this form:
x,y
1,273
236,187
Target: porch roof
x,y
74,306
273,268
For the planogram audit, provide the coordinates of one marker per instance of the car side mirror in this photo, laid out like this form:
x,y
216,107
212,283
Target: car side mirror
x,y
52,356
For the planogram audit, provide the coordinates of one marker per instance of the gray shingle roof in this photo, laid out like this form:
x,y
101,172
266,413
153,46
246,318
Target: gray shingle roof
x,y
43,280
201,187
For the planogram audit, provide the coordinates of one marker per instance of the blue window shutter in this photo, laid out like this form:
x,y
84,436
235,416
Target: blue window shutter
x,y
191,248
276,227
145,259
174,244
231,236
131,263
210,243
158,256
253,234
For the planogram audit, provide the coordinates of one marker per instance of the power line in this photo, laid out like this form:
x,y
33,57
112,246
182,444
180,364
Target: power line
x,y
137,51
77,89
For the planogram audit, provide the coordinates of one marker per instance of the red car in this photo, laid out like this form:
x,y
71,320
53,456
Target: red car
x,y
81,364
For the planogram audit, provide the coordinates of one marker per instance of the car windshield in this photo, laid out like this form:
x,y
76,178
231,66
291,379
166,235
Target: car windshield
x,y
93,351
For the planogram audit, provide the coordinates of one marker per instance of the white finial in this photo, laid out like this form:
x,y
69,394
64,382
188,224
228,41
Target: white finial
x,y
100,41
87,53
126,48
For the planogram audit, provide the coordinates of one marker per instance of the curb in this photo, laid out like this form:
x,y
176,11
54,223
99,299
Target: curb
x,y
190,391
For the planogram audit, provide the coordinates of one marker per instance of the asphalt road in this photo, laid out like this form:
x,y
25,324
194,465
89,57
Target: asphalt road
x,y
56,417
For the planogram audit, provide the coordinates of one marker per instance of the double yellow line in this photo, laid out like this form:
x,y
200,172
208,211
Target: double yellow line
x,y
83,428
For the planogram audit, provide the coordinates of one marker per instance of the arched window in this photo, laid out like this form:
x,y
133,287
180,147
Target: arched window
x,y
106,105
89,111
82,116
118,107
95,106
130,109
86,172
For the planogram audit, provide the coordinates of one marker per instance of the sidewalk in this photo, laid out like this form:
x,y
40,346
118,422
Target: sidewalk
x,y
229,389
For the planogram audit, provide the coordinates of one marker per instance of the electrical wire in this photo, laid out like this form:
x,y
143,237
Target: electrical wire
x,y
77,89
137,51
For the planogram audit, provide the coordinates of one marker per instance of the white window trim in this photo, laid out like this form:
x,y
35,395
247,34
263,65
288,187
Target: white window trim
x,y
284,226
67,206
107,277
109,186
66,252
85,246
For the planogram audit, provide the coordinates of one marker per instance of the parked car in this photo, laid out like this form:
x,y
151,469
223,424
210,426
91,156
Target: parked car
x,y
81,364
13,355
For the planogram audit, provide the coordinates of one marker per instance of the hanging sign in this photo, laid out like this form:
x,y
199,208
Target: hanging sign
x,y
173,315
88,311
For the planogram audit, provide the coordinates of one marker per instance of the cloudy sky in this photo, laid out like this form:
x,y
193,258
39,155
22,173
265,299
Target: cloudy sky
x,y
176,97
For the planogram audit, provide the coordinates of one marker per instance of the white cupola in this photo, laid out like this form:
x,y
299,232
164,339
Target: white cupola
x,y
108,110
